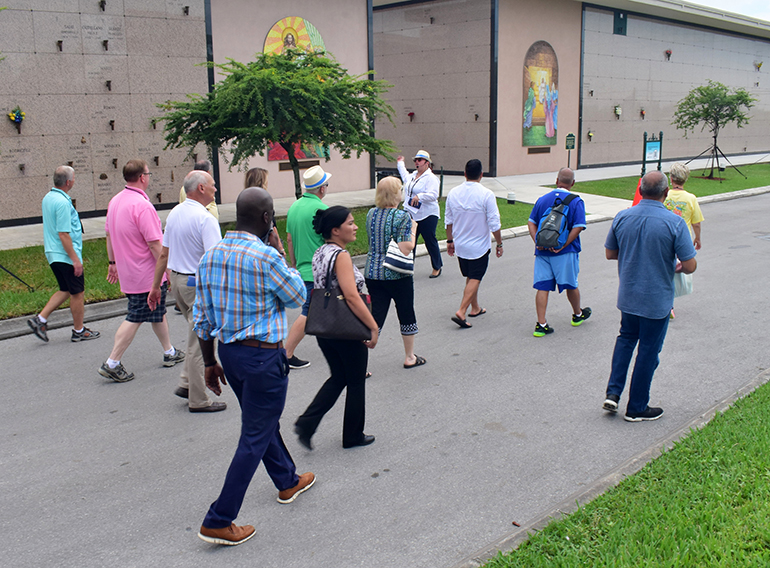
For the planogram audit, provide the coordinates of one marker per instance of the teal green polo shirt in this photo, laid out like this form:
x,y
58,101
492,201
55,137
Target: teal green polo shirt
x,y
304,239
60,216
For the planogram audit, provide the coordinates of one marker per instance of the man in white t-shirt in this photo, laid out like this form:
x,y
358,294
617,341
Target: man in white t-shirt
x,y
190,231
471,215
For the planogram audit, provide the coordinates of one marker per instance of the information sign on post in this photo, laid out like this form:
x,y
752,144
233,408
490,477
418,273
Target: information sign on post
x,y
569,146
653,151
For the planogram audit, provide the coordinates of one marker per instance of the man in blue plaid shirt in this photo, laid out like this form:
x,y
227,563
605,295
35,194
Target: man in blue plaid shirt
x,y
243,288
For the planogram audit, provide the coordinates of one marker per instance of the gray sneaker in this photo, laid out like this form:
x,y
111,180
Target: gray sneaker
x,y
84,335
171,360
118,374
40,328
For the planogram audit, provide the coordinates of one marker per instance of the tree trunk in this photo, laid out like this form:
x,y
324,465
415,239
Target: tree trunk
x,y
714,154
289,147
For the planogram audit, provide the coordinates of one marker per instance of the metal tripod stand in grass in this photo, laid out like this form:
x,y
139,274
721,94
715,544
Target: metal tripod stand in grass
x,y
31,289
714,153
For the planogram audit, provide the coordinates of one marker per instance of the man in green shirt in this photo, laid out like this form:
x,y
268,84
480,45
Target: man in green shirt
x,y
63,238
301,243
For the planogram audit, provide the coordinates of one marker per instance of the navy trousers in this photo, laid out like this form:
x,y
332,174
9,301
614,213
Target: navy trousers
x,y
427,229
259,378
649,334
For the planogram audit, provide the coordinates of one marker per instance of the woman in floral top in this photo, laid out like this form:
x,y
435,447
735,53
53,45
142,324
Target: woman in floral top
x,y
384,223
347,359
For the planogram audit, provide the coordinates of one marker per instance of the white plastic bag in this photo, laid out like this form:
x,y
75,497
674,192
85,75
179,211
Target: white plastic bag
x,y
682,284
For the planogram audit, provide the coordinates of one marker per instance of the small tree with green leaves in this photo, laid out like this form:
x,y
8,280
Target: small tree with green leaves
x,y
713,106
291,98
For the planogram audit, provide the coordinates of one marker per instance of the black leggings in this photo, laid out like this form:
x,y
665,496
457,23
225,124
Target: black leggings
x,y
401,291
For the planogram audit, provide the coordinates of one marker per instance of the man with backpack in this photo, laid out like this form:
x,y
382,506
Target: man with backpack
x,y
555,224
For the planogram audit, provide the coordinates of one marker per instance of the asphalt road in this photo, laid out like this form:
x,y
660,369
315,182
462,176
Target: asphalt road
x,y
498,427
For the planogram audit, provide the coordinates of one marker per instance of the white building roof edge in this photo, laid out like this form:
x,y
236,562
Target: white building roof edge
x,y
685,12
688,12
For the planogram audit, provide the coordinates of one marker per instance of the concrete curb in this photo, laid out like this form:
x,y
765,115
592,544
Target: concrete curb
x,y
734,195
611,479
16,327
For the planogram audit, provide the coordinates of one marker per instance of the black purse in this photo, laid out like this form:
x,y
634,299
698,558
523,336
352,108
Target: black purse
x,y
329,315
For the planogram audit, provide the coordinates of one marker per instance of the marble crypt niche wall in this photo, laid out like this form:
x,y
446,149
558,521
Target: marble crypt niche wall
x,y
87,75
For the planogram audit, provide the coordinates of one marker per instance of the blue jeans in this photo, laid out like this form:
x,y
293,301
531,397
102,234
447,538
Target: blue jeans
x,y
649,334
259,378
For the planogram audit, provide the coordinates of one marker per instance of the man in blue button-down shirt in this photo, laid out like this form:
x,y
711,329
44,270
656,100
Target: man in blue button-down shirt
x,y
646,240
243,288
63,240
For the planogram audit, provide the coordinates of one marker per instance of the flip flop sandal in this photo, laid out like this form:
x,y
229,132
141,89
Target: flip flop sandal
x,y
481,313
419,361
461,322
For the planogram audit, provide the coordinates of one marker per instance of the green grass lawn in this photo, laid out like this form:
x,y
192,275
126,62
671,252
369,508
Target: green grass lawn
x,y
30,264
704,503
624,188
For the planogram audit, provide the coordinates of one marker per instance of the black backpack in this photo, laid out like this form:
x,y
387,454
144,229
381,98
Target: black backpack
x,y
553,224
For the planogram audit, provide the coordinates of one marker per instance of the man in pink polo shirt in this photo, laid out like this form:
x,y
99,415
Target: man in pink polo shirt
x,y
134,242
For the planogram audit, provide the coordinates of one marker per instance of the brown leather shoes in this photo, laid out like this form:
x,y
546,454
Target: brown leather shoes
x,y
306,481
228,536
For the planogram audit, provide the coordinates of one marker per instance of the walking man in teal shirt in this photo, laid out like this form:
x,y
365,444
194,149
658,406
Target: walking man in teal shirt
x,y
63,238
301,243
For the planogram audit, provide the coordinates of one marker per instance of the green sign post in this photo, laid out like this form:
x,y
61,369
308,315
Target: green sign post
x,y
569,146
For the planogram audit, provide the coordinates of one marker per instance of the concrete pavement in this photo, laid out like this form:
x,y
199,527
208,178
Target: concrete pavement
x,y
498,427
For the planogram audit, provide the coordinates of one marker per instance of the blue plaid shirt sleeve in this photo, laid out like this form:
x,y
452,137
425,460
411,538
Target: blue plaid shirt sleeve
x,y
243,287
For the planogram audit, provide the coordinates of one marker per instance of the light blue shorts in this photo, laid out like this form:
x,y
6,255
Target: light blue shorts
x,y
561,270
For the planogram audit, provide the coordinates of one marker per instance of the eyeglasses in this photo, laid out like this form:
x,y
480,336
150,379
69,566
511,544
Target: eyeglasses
x,y
148,174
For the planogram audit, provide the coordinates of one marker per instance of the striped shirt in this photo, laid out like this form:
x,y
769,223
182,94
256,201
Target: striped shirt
x,y
243,288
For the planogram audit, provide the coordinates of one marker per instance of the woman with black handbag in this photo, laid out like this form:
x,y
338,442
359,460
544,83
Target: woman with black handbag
x,y
389,263
347,358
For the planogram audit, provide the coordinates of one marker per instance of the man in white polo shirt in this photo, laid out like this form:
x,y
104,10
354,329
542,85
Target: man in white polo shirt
x,y
190,231
471,215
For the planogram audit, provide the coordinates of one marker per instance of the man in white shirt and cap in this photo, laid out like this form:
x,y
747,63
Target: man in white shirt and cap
x,y
471,215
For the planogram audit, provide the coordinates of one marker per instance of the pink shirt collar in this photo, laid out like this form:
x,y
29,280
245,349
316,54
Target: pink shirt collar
x,y
139,191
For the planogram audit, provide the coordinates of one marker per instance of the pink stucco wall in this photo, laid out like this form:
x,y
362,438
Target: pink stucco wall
x,y
522,23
